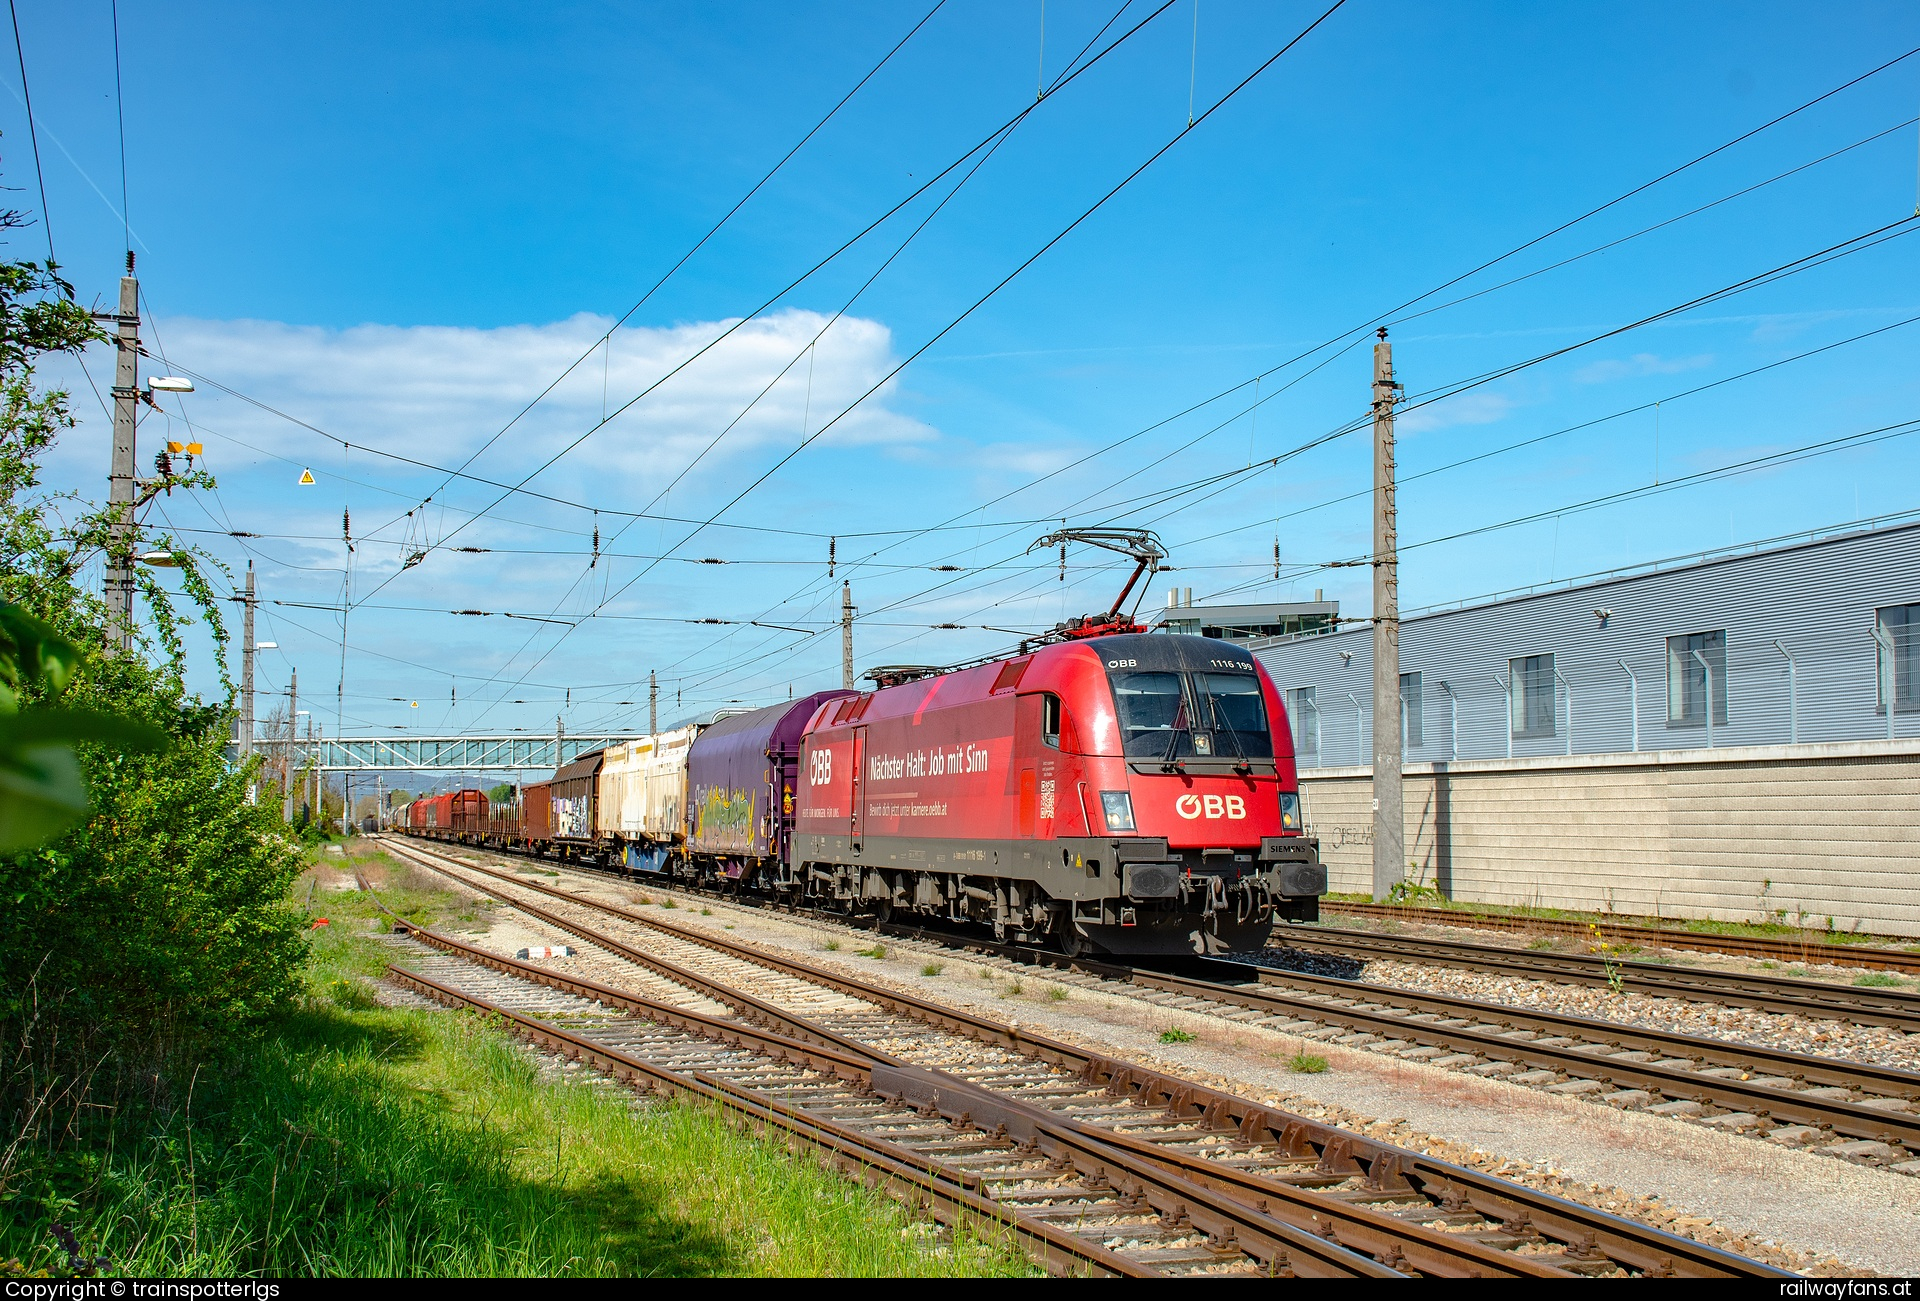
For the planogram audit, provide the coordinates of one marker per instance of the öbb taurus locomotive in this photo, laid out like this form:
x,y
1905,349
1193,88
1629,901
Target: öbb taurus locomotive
x,y
1111,791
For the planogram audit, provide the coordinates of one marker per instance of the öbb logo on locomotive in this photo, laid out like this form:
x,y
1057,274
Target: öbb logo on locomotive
x,y
1192,806
820,768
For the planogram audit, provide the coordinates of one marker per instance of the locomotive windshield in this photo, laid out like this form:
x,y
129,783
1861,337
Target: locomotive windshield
x,y
1230,706
1169,716
1153,715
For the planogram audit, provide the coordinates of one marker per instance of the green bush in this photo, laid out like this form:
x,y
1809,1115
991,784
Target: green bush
x,y
158,917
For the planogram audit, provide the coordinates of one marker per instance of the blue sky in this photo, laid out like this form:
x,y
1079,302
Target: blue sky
x,y
400,224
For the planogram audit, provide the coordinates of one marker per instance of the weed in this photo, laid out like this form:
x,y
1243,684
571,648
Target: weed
x,y
668,903
1542,943
1055,994
1768,964
1407,892
1609,960
1305,1063
729,925
931,969
1175,1035
831,946
1880,979
1014,988
706,912
877,951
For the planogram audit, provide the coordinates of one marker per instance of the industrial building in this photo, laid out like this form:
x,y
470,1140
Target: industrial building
x,y
1732,735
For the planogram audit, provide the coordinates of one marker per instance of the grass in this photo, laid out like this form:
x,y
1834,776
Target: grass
x,y
831,946
877,951
1305,1063
706,912
668,903
1879,979
1175,1035
1055,994
932,969
357,1140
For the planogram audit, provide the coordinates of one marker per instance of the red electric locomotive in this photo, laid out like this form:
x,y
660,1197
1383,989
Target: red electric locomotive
x,y
1128,792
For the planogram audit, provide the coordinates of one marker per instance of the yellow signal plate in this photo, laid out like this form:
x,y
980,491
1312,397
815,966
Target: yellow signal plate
x,y
306,476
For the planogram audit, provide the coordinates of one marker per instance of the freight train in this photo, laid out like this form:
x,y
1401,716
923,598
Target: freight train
x,y
1110,790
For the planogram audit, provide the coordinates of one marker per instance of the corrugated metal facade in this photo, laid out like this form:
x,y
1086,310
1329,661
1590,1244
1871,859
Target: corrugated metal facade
x,y
1814,601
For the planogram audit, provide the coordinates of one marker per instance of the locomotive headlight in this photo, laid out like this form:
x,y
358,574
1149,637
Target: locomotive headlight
x,y
1118,806
1289,811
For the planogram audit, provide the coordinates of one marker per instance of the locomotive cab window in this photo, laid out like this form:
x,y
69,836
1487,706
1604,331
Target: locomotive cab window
x,y
1050,719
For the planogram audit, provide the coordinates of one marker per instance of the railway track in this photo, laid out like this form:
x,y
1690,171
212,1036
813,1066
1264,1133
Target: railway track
x,y
1800,948
1393,1207
1849,1110
1868,1005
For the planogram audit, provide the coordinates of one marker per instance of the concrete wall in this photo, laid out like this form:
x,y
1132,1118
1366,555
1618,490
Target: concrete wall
x,y
1818,831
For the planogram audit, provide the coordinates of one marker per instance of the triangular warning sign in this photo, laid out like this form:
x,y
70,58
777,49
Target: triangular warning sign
x,y
306,476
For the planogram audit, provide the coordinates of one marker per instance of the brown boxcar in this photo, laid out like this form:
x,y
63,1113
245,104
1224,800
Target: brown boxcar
x,y
536,814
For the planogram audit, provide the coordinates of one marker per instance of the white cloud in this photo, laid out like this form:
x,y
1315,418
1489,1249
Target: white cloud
x,y
437,393
1468,409
1641,363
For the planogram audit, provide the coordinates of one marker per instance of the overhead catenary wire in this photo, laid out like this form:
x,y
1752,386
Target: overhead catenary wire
x,y
1750,282
1359,333
973,307
120,117
702,242
1066,79
33,131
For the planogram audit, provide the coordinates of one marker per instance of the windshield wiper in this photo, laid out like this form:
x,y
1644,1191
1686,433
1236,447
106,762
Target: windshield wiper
x,y
1245,766
1168,762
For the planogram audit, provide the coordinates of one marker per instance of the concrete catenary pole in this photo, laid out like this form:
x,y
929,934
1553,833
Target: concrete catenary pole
x,y
286,766
313,777
1389,818
246,670
121,485
846,635
653,704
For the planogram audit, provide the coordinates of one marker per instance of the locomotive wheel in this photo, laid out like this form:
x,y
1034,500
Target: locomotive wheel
x,y
1072,942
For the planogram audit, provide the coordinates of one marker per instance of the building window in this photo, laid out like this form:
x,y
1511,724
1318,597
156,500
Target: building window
x,y
1411,732
1305,717
1687,679
1896,657
1530,701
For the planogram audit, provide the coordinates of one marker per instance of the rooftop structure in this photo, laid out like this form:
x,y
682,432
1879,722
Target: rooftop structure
x,y
1244,623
